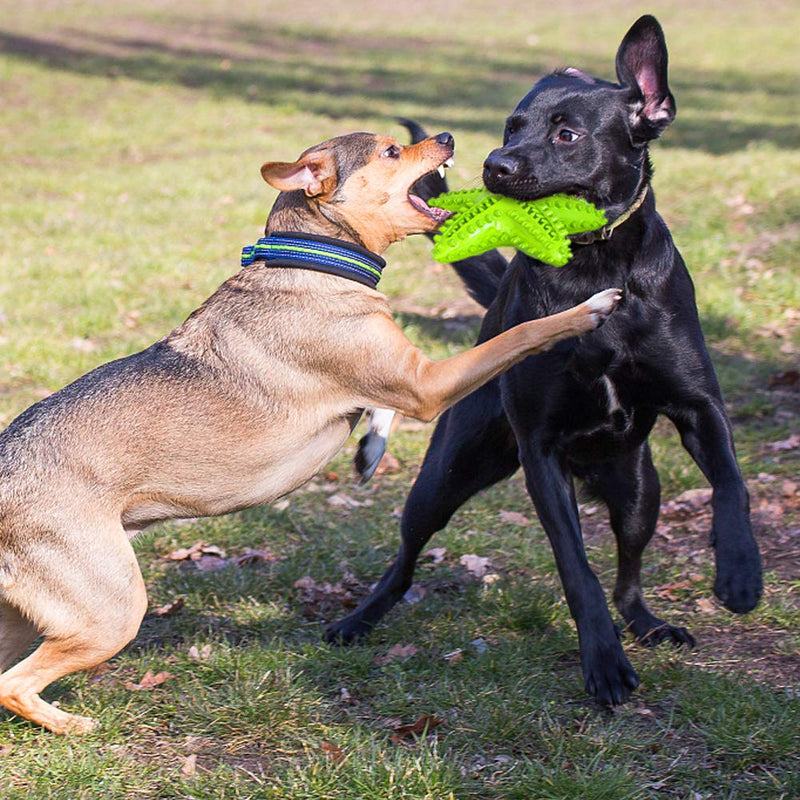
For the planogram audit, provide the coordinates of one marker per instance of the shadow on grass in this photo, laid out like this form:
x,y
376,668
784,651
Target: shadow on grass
x,y
461,330
444,81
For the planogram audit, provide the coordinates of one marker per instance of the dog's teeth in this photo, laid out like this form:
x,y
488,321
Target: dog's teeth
x,y
441,171
449,162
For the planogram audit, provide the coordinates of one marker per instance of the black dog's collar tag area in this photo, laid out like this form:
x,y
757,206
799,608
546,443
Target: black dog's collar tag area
x,y
320,253
604,233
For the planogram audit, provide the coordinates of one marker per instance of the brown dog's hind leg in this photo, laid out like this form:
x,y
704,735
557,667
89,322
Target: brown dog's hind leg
x,y
82,628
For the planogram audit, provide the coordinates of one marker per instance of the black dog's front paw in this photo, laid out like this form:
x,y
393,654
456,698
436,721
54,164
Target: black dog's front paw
x,y
739,583
739,592
346,631
608,675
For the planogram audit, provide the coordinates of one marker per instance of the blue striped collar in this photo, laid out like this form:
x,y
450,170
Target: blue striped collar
x,y
321,253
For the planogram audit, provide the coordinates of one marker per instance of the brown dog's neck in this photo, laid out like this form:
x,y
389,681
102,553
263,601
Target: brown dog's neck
x,y
295,213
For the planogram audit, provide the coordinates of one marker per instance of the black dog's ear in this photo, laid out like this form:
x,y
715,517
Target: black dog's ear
x,y
642,67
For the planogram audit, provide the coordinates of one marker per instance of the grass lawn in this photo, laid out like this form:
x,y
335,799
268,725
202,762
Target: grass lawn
x,y
132,135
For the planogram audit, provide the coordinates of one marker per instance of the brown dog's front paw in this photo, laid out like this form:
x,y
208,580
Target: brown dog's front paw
x,y
602,304
77,725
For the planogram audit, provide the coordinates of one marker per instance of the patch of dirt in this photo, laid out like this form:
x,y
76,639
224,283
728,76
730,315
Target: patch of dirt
x,y
752,650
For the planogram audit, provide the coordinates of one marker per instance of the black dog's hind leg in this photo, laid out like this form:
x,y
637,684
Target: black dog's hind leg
x,y
472,448
630,488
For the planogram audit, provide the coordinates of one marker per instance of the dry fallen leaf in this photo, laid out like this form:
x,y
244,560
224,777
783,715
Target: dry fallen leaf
x,y
170,608
388,465
476,565
514,518
333,753
189,768
196,552
322,596
255,557
792,443
149,681
421,727
436,553
396,652
199,655
790,377
342,500
705,606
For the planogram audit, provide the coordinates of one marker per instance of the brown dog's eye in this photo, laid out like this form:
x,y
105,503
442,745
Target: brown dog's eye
x,y
392,152
568,136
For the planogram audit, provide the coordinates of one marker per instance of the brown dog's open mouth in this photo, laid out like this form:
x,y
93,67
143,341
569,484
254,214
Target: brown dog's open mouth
x,y
438,215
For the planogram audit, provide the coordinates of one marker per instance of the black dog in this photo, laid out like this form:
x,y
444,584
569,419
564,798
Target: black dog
x,y
585,409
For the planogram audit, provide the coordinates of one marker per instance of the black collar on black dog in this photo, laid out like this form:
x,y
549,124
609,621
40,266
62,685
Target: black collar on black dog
x,y
320,253
604,233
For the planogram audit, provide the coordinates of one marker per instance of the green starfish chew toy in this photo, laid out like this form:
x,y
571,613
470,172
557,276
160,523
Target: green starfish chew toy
x,y
482,221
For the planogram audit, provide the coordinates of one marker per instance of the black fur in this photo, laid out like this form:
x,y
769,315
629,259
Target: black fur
x,y
585,409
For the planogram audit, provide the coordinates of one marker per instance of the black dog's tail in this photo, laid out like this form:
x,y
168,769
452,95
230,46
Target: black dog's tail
x,y
480,274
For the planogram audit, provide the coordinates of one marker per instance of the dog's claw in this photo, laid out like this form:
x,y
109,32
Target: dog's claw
x,y
667,633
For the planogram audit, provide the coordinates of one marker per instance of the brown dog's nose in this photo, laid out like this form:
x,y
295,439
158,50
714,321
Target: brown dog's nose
x,y
446,139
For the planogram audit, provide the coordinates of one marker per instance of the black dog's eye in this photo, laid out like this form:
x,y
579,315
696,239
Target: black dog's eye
x,y
391,152
568,136
513,126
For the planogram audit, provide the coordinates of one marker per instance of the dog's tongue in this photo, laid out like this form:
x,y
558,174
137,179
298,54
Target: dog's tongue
x,y
438,214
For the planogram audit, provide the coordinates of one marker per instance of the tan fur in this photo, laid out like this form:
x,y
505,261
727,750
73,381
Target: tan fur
x,y
242,403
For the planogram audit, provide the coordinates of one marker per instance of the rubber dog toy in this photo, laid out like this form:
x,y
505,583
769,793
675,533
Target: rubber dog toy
x,y
482,221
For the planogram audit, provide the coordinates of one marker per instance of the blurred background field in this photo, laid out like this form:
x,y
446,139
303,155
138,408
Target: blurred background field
x,y
131,136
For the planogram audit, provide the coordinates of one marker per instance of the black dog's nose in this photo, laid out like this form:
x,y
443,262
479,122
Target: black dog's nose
x,y
446,139
499,167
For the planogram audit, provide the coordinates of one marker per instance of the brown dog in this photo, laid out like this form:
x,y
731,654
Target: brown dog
x,y
239,405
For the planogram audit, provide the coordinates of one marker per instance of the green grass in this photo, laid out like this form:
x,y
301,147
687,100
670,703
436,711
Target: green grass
x,y
132,134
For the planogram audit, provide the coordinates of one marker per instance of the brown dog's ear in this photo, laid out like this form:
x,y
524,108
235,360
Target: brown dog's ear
x,y
642,67
309,173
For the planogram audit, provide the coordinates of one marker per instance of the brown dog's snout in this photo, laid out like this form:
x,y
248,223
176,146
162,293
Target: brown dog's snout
x,y
446,138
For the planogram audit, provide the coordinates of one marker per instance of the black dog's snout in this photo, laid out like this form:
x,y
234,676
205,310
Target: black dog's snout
x,y
499,168
446,139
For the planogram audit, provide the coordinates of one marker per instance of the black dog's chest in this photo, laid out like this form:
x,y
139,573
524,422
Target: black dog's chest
x,y
593,399
594,417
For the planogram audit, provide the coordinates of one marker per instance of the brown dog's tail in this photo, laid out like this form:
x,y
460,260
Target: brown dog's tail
x,y
479,274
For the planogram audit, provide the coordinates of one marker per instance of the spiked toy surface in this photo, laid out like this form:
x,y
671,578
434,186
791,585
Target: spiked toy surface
x,y
482,221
